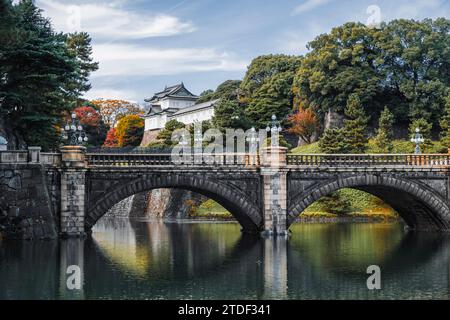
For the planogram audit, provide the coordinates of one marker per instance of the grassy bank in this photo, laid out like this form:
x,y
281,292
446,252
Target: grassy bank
x,y
211,209
361,205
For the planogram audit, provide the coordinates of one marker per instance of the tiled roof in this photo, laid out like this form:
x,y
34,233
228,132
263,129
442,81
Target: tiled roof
x,y
178,90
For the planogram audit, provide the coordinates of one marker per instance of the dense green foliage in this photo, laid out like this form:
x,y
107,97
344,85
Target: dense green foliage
x,y
335,203
404,64
332,141
385,135
267,88
228,111
80,49
42,73
228,90
355,126
230,114
445,124
165,135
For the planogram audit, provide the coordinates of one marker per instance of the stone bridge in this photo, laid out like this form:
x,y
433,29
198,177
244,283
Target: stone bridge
x,y
43,195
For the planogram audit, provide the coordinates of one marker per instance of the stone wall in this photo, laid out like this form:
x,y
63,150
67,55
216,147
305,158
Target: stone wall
x,y
149,136
158,203
26,208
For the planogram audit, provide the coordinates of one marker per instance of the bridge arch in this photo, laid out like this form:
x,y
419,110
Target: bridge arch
x,y
419,206
245,211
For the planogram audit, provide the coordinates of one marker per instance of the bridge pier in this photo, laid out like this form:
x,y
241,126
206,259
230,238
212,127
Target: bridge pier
x,y
73,191
275,191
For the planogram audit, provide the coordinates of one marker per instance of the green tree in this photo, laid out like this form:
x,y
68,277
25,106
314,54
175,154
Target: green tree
x,y
415,61
332,141
165,135
205,96
38,74
335,203
383,139
228,90
340,63
404,63
267,88
130,130
355,126
79,48
230,114
425,129
445,124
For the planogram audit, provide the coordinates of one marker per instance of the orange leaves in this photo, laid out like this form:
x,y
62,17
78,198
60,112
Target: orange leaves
x,y
111,140
130,130
88,116
303,124
112,110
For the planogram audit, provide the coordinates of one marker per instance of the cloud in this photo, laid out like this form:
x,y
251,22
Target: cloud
x,y
308,5
112,93
109,21
126,60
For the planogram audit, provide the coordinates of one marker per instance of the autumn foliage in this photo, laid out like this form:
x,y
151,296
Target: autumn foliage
x,y
88,116
303,124
130,130
93,125
112,111
111,139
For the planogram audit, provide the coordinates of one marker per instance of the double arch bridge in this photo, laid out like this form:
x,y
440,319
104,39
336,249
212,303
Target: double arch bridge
x,y
265,193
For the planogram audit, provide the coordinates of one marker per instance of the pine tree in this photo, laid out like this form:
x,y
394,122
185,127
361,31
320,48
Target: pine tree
x,y
383,139
79,48
165,135
355,126
39,78
332,141
445,124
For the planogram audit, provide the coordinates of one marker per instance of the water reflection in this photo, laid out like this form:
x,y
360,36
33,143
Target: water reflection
x,y
152,260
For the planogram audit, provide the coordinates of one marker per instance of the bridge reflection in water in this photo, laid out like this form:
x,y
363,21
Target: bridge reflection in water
x,y
153,260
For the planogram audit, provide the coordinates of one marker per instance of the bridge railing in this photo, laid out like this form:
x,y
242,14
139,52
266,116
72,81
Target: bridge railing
x,y
369,160
14,156
142,159
50,158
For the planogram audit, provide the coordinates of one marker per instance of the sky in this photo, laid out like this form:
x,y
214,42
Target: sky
x,y
144,45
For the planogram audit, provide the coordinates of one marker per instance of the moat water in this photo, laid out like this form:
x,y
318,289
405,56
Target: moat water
x,y
192,260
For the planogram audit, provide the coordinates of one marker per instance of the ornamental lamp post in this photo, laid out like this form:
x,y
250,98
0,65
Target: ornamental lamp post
x,y
73,133
418,139
274,127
